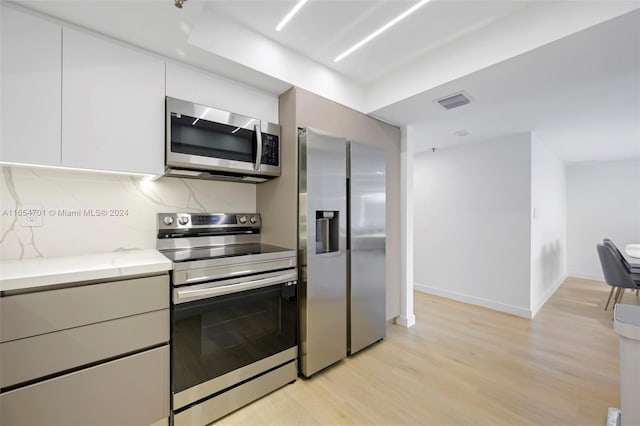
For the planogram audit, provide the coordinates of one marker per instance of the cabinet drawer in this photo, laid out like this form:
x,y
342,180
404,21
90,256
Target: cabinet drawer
x,y
27,359
31,314
130,391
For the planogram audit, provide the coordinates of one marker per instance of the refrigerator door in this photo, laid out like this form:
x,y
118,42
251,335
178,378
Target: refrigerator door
x,y
323,255
367,286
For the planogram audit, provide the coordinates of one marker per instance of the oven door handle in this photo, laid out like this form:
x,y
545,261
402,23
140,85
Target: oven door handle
x,y
221,290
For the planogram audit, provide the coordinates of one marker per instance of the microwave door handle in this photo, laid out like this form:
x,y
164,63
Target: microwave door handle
x,y
258,164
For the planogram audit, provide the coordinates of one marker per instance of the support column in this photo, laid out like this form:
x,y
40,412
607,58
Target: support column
x,y
406,318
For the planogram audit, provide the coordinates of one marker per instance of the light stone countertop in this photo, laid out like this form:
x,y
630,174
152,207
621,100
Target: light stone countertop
x,y
25,275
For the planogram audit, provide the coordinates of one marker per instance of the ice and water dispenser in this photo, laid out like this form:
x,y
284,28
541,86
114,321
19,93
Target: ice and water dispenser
x,y
327,231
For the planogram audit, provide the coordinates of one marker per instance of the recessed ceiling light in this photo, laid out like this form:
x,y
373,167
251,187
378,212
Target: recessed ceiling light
x,y
462,133
289,15
380,30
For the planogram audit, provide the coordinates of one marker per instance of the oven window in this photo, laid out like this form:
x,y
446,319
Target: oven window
x,y
193,136
214,336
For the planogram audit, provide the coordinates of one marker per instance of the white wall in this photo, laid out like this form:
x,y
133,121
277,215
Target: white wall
x,y
472,223
54,191
548,224
603,201
407,317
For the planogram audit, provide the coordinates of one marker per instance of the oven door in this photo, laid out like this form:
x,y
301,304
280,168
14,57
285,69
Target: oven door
x,y
226,332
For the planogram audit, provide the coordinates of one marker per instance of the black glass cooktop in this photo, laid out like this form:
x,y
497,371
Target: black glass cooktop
x,y
216,252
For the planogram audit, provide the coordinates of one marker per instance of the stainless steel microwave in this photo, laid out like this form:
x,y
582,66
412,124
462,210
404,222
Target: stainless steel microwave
x,y
209,143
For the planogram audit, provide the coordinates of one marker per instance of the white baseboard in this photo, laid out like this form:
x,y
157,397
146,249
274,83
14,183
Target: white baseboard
x,y
547,294
407,321
497,306
587,276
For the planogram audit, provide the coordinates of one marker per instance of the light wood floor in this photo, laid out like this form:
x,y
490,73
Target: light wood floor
x,y
466,365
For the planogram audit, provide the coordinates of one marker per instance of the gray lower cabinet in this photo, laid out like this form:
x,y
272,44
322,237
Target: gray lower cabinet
x,y
129,391
91,354
40,356
31,314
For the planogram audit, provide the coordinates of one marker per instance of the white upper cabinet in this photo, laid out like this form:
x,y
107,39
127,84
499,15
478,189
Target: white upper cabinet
x,y
112,106
31,76
214,91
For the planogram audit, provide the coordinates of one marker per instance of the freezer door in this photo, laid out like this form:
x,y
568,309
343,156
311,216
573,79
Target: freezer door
x,y
367,206
323,252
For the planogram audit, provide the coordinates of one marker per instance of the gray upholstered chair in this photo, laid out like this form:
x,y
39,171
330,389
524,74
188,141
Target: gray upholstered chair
x,y
616,274
634,268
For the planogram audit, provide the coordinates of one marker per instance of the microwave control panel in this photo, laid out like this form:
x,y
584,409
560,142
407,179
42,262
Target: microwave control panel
x,y
270,150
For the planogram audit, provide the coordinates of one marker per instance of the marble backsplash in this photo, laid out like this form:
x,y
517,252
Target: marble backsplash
x,y
86,213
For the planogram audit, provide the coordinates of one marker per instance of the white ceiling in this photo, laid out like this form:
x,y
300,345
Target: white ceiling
x,y
154,25
578,94
323,29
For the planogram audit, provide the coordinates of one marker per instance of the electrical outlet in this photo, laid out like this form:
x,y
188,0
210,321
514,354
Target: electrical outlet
x,y
31,215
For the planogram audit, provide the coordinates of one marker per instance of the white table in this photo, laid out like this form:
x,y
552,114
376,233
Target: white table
x,y
633,250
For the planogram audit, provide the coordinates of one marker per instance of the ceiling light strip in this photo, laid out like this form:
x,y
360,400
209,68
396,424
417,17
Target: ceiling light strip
x,y
380,30
289,15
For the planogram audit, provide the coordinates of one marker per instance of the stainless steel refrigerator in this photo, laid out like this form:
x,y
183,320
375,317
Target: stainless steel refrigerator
x,y
342,248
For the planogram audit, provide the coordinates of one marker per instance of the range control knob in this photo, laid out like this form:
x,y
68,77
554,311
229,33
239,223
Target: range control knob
x,y
253,219
183,220
242,219
168,220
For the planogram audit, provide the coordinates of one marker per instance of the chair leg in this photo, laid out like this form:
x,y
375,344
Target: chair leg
x,y
621,294
609,299
617,295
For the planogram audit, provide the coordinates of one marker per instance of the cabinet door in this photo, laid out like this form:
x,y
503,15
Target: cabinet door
x,y
112,106
31,75
218,92
130,391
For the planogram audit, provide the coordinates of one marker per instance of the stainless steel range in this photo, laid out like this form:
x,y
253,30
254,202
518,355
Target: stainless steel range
x,y
234,313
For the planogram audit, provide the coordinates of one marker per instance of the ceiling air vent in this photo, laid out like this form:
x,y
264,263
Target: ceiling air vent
x,y
454,100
